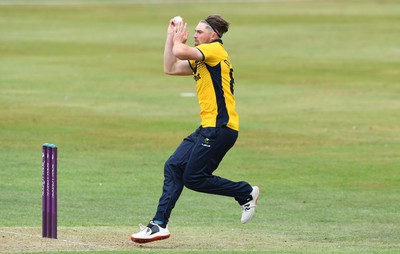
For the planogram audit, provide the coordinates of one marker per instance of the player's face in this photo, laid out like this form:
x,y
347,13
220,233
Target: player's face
x,y
202,34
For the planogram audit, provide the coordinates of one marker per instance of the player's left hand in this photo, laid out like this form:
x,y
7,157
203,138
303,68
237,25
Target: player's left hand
x,y
181,33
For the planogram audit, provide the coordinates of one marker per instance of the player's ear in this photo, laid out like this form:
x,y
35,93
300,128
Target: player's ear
x,y
214,36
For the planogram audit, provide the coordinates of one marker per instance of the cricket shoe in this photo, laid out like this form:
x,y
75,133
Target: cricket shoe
x,y
249,208
150,233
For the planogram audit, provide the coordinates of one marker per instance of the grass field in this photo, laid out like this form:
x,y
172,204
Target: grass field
x,y
318,93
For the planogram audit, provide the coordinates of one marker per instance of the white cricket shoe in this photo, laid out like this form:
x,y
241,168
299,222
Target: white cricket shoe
x,y
249,208
150,233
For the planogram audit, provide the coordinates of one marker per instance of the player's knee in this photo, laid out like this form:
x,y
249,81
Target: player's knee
x,y
191,182
171,163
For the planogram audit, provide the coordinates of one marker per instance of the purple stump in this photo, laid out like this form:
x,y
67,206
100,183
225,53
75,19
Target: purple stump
x,y
48,194
54,193
44,190
49,191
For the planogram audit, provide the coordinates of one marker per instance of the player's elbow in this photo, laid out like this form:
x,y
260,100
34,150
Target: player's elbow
x,y
171,72
168,67
167,71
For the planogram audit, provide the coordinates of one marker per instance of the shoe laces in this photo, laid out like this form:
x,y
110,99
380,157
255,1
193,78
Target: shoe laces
x,y
142,227
247,207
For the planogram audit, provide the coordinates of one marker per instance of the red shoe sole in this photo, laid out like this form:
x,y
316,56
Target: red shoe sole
x,y
141,240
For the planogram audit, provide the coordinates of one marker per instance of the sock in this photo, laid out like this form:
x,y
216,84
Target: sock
x,y
160,223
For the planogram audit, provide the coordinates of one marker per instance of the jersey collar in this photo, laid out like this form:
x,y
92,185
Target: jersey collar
x,y
218,40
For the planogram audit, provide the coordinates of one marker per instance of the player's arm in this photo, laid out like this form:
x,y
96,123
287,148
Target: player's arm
x,y
172,64
185,52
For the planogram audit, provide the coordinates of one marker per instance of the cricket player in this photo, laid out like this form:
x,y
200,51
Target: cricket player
x,y
193,163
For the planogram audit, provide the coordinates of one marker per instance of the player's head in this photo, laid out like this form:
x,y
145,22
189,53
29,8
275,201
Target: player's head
x,y
210,29
217,24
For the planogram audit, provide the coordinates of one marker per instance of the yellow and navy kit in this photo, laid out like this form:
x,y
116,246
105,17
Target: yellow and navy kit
x,y
215,86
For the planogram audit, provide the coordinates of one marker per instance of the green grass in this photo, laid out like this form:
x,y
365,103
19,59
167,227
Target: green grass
x,y
318,86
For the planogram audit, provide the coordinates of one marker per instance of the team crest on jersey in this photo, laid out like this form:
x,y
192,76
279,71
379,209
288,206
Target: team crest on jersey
x,y
206,142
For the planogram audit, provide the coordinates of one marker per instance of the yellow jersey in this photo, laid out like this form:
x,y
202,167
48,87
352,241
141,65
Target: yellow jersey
x,y
215,86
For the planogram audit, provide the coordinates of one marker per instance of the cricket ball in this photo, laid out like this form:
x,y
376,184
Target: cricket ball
x,y
177,19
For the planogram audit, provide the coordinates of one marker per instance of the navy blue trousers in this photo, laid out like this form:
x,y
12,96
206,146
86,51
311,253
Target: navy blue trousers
x,y
192,165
